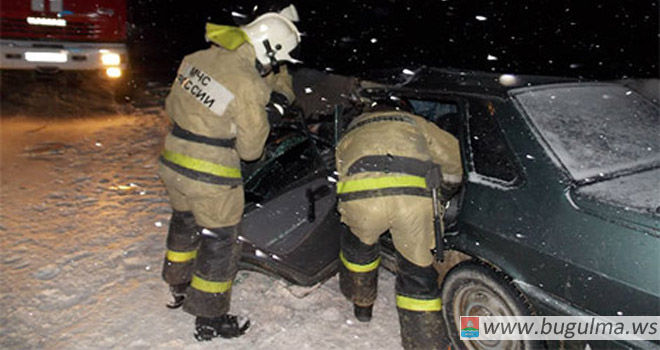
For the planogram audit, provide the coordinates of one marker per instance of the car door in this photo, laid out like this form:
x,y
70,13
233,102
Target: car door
x,y
515,214
290,225
490,223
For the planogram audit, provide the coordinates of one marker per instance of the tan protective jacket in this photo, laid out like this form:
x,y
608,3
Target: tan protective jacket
x,y
218,94
418,139
382,160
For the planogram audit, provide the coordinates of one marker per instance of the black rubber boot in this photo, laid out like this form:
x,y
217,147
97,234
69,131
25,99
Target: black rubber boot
x,y
217,262
363,313
225,326
422,327
361,288
182,237
423,330
178,295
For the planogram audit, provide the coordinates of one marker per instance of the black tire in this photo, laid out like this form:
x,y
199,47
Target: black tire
x,y
473,289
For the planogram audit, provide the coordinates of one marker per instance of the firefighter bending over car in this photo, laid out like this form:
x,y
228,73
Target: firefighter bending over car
x,y
217,105
384,160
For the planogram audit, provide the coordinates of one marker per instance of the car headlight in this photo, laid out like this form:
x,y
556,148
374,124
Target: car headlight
x,y
110,58
113,72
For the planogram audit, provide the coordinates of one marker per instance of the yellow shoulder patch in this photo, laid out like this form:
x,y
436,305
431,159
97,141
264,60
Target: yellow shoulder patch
x,y
228,37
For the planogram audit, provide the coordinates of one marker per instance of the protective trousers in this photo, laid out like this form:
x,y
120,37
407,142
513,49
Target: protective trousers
x,y
206,259
358,272
417,292
182,243
215,268
419,306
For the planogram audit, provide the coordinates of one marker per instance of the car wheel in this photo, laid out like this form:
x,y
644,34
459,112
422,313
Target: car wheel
x,y
473,289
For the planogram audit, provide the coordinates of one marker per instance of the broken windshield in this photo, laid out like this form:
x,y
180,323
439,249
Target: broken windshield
x,y
594,129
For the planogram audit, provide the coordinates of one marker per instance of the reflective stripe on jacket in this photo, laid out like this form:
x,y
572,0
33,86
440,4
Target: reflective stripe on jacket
x,y
389,153
217,104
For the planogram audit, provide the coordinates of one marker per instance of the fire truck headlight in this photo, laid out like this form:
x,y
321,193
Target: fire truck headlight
x,y
110,59
113,72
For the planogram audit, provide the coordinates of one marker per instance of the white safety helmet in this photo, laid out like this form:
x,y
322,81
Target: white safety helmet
x,y
274,36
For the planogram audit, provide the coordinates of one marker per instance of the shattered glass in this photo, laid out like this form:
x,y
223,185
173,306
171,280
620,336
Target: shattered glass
x,y
289,155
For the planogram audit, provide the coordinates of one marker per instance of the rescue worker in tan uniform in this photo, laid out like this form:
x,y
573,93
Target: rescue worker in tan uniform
x,y
217,106
383,160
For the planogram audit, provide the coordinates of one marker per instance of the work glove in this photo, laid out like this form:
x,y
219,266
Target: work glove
x,y
280,99
276,108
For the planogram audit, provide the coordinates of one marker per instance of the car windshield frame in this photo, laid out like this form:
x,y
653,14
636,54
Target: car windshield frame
x,y
284,138
594,133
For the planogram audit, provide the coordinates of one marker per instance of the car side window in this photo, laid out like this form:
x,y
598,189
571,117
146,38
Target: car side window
x,y
491,155
432,110
444,114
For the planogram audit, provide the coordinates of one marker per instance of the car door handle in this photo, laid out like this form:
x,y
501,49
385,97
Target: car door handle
x,y
312,196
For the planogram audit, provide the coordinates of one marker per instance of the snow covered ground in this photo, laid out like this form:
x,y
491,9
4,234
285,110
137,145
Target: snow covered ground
x,y
83,220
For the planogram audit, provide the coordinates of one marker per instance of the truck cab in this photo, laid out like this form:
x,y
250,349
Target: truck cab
x,y
65,35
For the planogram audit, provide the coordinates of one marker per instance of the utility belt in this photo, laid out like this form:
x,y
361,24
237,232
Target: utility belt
x,y
200,169
410,179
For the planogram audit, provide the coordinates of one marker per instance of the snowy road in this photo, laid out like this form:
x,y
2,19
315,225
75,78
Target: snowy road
x,y
83,221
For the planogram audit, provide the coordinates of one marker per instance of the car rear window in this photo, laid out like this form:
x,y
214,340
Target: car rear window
x,y
594,129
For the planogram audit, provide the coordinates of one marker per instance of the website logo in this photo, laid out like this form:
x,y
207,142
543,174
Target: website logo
x,y
469,327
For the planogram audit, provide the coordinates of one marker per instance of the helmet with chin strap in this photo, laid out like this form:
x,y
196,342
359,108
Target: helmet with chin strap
x,y
274,36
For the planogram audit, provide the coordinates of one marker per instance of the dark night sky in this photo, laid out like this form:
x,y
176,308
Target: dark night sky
x,y
592,39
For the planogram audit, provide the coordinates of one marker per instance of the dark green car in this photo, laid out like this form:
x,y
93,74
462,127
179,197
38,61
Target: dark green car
x,y
560,212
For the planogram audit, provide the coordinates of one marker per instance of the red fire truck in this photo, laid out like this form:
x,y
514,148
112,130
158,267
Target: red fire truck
x,y
65,35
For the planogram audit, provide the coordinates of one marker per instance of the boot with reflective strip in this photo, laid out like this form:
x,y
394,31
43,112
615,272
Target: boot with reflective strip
x,y
360,288
182,243
419,306
422,330
358,274
209,293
